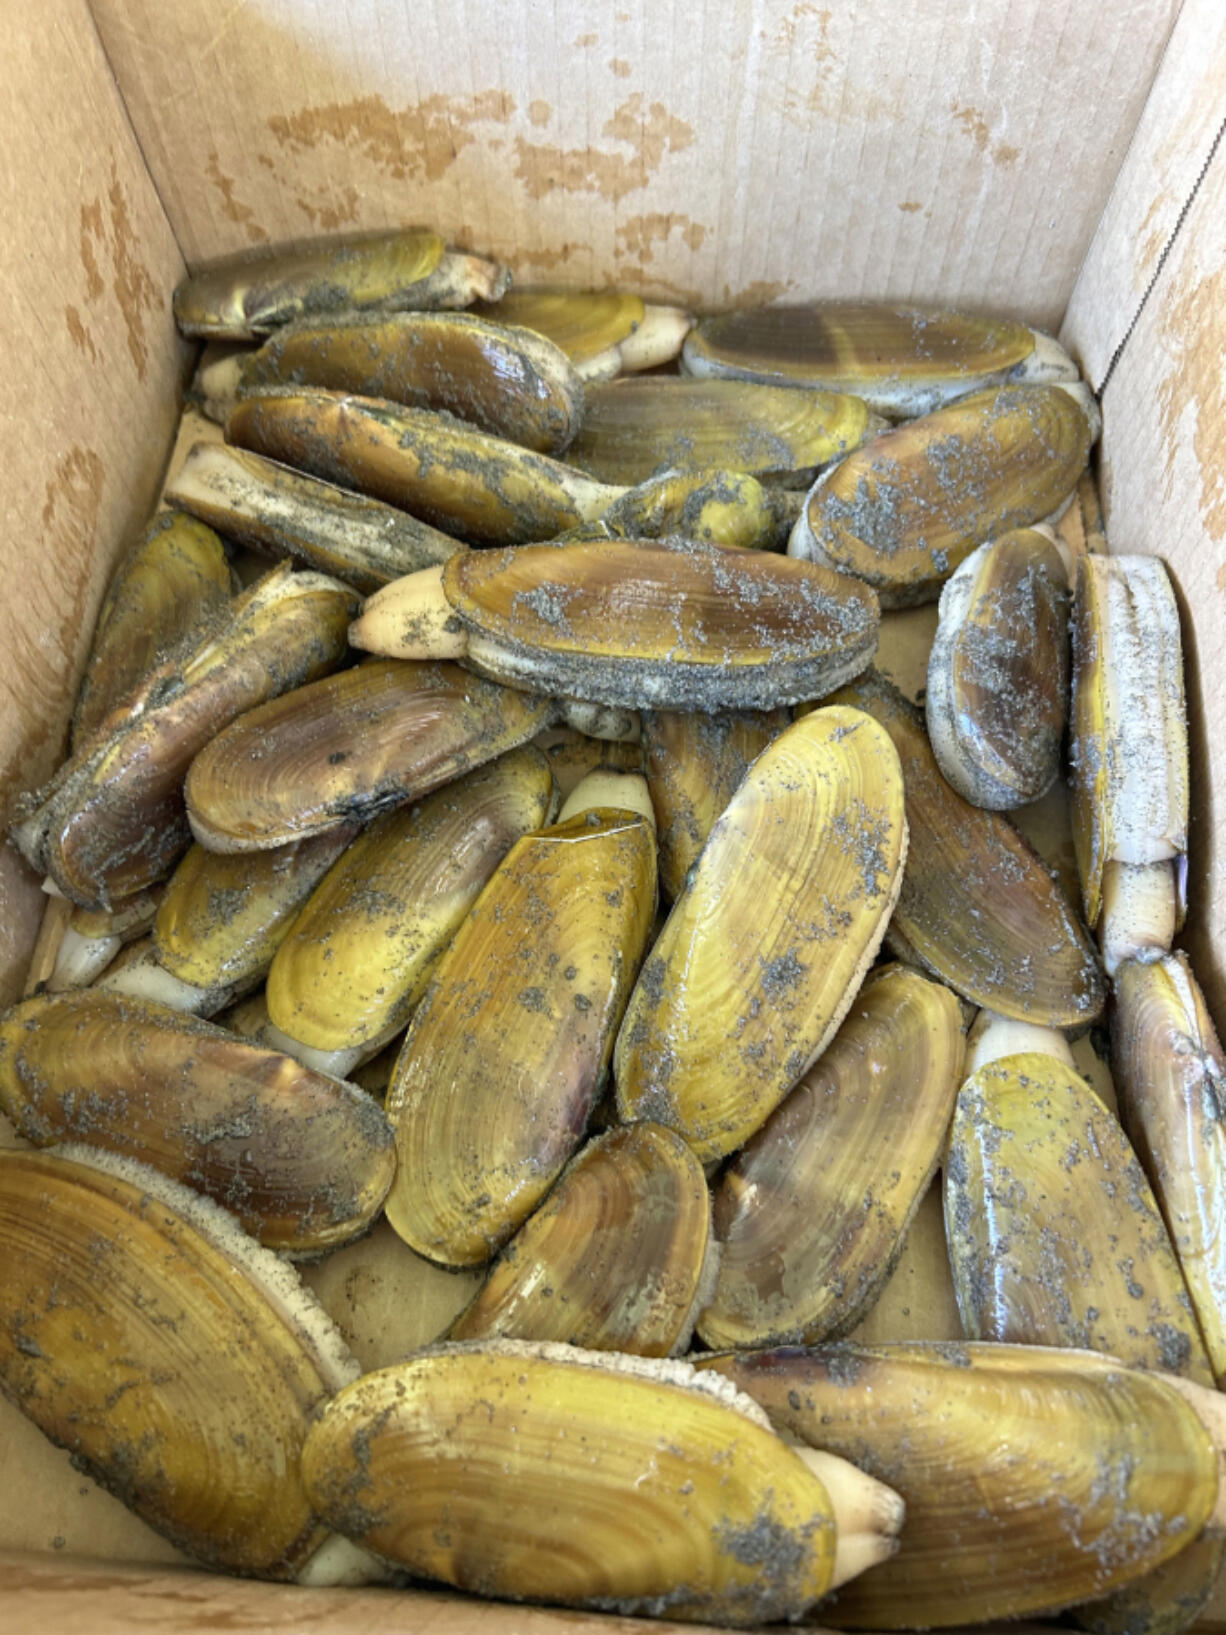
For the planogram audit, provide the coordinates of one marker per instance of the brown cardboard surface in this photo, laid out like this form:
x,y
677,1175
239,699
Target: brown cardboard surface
x,y
1164,493
91,370
742,151
1182,116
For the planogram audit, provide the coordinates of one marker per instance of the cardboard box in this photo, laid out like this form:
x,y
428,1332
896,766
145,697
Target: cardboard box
x,y
1056,158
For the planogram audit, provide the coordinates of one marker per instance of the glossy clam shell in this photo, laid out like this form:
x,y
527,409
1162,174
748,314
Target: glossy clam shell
x,y
113,820
998,674
635,428
172,579
248,296
1170,1073
584,323
301,1160
666,623
556,1477
977,906
134,1333
505,1053
510,382
480,488
364,741
694,765
767,945
359,955
277,511
612,1260
222,918
903,511
1128,726
1010,1460
812,1215
901,360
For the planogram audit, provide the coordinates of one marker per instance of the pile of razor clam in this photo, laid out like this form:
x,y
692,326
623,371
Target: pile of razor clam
x,y
553,736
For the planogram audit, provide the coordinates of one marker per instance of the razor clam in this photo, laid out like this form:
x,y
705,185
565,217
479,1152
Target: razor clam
x,y
603,332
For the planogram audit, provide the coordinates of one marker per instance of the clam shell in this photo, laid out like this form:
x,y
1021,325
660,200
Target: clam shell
x,y
767,945
360,953
247,296
613,1259
717,506
1170,1073
636,428
480,488
694,766
113,821
977,907
280,512
172,579
1033,1478
178,1362
365,740
545,1474
302,1160
902,360
583,323
998,674
505,1053
510,382
665,623
812,1215
903,511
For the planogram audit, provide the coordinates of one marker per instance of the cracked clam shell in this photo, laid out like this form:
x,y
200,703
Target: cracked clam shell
x,y
634,429
510,382
112,821
277,511
903,511
766,947
176,1360
483,489
812,1215
361,951
245,297
172,579
1170,1073
223,917
1034,1478
602,332
1129,750
505,1054
617,1258
303,1161
977,907
547,1473
665,623
694,765
353,746
902,361
998,673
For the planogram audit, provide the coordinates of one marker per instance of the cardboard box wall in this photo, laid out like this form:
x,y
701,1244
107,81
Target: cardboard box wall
x,y
1057,158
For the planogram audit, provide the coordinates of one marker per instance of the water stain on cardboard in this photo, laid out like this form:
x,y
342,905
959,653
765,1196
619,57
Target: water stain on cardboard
x,y
760,293
910,206
419,142
546,257
637,235
327,218
108,235
619,67
82,339
1193,329
539,112
649,132
585,42
232,207
977,128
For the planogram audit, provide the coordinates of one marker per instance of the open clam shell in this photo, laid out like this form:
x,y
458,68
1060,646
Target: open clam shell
x,y
617,1258
359,955
364,741
504,1056
303,1161
277,511
903,361
903,511
511,382
812,1215
767,945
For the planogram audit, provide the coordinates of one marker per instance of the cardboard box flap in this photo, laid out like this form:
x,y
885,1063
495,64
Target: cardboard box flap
x,y
738,152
